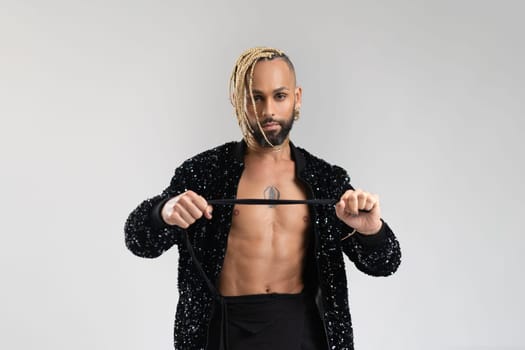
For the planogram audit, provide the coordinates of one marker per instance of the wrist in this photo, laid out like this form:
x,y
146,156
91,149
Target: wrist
x,y
375,230
156,215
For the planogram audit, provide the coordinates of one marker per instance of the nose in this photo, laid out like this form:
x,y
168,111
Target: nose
x,y
269,108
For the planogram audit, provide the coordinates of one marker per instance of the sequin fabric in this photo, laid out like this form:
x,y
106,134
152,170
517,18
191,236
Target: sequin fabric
x,y
215,174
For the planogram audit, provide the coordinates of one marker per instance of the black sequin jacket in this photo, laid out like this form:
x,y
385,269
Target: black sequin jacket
x,y
215,174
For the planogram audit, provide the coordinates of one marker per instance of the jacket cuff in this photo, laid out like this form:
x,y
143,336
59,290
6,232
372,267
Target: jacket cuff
x,y
376,239
157,222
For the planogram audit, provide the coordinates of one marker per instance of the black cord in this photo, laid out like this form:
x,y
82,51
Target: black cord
x,y
256,201
261,201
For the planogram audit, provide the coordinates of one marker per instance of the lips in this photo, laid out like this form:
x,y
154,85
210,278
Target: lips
x,y
270,126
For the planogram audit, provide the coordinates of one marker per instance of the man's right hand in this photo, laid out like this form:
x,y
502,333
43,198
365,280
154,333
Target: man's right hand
x,y
184,209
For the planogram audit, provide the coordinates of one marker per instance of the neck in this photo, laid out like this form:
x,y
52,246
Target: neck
x,y
281,152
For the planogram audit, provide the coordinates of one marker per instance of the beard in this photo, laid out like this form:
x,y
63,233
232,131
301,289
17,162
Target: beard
x,y
276,137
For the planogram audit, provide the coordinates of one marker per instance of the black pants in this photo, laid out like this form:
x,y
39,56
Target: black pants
x,y
267,321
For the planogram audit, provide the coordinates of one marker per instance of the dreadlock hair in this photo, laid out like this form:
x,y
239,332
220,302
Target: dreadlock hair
x,y
242,74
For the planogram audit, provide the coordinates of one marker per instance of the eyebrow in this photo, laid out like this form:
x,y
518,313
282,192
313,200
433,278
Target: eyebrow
x,y
282,88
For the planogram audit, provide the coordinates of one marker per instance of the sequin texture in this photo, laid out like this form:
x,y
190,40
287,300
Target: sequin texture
x,y
215,174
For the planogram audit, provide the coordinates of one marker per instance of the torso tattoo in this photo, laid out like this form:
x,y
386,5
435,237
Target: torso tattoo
x,y
271,192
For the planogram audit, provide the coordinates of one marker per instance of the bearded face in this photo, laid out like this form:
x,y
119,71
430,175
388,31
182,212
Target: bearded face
x,y
270,103
276,131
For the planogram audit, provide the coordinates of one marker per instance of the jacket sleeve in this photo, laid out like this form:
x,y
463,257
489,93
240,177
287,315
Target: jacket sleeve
x,y
376,255
146,233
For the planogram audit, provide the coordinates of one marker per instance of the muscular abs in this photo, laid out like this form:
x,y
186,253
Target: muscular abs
x,y
266,244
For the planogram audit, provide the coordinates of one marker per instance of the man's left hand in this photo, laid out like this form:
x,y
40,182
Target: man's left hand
x,y
348,210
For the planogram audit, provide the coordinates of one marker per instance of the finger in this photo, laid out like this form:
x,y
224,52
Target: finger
x,y
345,195
340,208
371,202
186,217
351,202
362,198
176,219
376,203
195,205
188,203
342,204
202,204
190,193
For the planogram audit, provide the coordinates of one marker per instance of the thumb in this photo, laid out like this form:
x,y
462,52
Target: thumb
x,y
208,211
340,207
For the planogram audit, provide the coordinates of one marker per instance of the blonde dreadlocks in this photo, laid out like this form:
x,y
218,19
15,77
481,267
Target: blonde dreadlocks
x,y
242,74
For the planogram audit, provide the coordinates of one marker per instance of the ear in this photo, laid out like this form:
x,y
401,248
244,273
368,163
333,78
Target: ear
x,y
298,97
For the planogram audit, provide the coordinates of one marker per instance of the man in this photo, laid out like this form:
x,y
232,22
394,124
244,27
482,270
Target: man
x,y
269,275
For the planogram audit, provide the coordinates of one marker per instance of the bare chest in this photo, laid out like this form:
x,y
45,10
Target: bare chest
x,y
279,183
266,244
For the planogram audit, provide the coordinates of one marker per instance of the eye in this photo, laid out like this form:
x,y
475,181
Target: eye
x,y
257,98
280,96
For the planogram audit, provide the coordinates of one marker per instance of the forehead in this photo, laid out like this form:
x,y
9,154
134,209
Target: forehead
x,y
271,74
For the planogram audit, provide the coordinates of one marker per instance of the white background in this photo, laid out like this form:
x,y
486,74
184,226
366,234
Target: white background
x,y
421,101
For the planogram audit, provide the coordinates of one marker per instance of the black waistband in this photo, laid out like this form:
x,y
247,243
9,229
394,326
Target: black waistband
x,y
262,298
